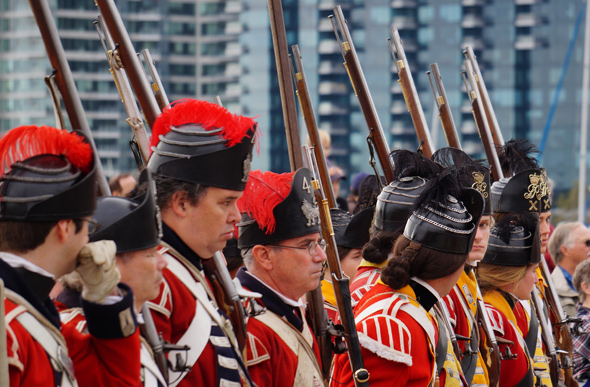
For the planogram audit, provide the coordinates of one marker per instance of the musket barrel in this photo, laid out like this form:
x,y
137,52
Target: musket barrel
x,y
312,127
134,70
65,82
445,114
281,51
481,123
359,84
411,95
487,103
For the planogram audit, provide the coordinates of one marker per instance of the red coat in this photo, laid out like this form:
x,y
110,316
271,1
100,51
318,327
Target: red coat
x,y
366,277
173,311
396,349
271,362
505,323
97,362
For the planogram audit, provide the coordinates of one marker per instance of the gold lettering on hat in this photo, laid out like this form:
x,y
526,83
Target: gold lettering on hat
x,y
535,189
311,213
533,206
480,184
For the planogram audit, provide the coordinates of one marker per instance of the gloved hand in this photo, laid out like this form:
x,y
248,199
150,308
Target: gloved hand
x,y
97,268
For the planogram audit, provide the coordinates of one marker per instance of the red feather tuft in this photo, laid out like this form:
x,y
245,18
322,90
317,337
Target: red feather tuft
x,y
208,115
264,191
24,142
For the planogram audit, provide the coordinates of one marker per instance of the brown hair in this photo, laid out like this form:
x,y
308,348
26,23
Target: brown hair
x,y
491,277
411,259
166,187
22,236
379,247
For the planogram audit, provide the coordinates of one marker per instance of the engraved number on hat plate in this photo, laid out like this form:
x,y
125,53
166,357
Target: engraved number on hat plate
x,y
306,186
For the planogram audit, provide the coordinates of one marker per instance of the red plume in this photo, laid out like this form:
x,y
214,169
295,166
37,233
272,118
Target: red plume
x,y
208,115
24,142
264,191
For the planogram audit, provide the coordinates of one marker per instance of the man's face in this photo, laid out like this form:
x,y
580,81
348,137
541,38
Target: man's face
x,y
480,243
579,247
142,271
295,271
210,223
545,222
73,244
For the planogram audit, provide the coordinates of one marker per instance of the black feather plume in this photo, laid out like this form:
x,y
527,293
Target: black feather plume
x,y
439,189
408,163
518,155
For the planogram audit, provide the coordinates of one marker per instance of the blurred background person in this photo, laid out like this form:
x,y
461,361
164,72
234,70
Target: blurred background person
x,y
569,245
122,184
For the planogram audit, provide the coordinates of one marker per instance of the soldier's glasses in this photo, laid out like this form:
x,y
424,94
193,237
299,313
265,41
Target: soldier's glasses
x,y
311,247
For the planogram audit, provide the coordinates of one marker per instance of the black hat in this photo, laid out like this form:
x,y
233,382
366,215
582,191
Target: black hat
x,y
527,191
203,143
277,207
134,224
515,241
46,174
394,204
445,216
350,231
518,155
471,173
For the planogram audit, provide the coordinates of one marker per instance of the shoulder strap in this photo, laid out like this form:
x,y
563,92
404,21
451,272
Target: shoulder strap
x,y
47,336
533,333
307,366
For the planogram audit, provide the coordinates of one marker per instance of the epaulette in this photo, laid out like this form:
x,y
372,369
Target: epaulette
x,y
256,352
387,337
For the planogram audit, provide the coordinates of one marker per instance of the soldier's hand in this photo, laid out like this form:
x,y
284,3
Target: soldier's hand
x,y
97,268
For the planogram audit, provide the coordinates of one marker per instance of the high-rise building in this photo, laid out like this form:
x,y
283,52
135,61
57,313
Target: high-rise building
x,y
205,48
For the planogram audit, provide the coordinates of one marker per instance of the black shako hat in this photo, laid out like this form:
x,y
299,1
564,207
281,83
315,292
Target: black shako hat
x,y
134,224
527,191
515,241
277,207
471,173
394,204
46,174
351,231
203,143
530,190
445,216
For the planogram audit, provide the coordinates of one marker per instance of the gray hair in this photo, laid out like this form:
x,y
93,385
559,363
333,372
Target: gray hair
x,y
562,236
247,256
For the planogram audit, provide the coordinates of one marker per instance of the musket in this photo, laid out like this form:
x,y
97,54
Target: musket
x,y
441,308
129,60
226,295
561,326
281,51
157,86
326,200
340,282
547,337
488,343
304,98
65,82
482,124
376,137
444,109
410,94
154,340
487,103
139,143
